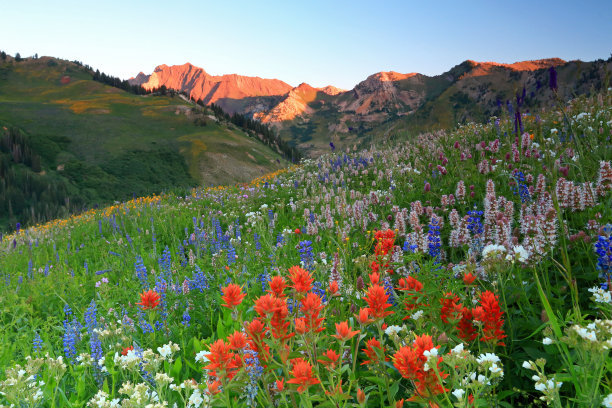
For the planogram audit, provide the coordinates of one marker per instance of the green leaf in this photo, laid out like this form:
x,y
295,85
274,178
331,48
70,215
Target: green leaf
x,y
176,369
221,333
393,390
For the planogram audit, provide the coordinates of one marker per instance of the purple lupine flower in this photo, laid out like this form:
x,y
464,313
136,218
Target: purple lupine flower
x,y
553,78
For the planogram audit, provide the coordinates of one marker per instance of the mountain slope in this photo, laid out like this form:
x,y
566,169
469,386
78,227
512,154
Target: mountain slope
x,y
393,103
101,144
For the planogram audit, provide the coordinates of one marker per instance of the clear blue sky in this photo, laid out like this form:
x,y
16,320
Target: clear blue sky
x,y
318,42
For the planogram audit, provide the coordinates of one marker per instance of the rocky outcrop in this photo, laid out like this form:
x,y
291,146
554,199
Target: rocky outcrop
x,y
199,85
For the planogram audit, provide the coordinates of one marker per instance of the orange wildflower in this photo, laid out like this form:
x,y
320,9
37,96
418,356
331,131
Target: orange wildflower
x,y
372,353
331,358
364,316
280,384
232,295
344,332
300,325
492,316
266,305
361,397
277,286
213,387
377,302
333,288
410,362
468,278
414,287
237,340
149,299
256,331
301,279
374,278
302,373
125,350
467,331
223,359
311,306
451,308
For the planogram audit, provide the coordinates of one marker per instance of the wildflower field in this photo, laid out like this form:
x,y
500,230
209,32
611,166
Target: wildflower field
x,y
458,269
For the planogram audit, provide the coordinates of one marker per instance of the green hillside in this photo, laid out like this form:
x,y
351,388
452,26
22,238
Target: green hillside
x,y
88,143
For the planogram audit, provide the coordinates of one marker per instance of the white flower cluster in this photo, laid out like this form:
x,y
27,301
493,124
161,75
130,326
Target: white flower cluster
x,y
138,395
167,350
393,330
432,356
493,251
520,254
21,386
547,386
598,333
600,295
491,361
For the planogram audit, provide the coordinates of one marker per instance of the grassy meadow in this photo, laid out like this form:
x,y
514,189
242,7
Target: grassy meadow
x,y
101,144
458,269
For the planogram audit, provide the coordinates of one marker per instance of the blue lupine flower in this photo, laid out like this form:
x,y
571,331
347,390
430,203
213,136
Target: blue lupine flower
x,y
388,285
198,280
603,249
433,238
186,317
141,272
165,262
255,371
521,188
231,255
474,224
37,342
257,243
553,78
72,330
95,346
264,278
144,325
317,289
306,255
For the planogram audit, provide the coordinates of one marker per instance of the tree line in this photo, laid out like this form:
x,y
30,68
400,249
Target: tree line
x,y
266,134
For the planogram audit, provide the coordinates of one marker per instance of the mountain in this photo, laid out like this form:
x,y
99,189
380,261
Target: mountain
x,y
68,142
392,103
228,91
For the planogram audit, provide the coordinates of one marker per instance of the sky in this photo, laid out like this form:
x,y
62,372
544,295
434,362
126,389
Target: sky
x,y
330,42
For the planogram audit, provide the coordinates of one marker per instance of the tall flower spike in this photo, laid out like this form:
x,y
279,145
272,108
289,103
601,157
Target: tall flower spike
x,y
232,295
302,372
301,279
377,302
149,299
344,332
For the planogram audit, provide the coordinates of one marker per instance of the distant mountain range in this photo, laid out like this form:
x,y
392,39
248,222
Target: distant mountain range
x,y
384,103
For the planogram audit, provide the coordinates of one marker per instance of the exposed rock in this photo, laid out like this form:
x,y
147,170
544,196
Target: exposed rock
x,y
198,84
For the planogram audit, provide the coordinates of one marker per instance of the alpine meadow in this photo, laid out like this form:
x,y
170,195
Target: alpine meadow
x,y
182,239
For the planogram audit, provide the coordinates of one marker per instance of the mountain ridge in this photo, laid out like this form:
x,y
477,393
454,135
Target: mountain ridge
x,y
311,118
